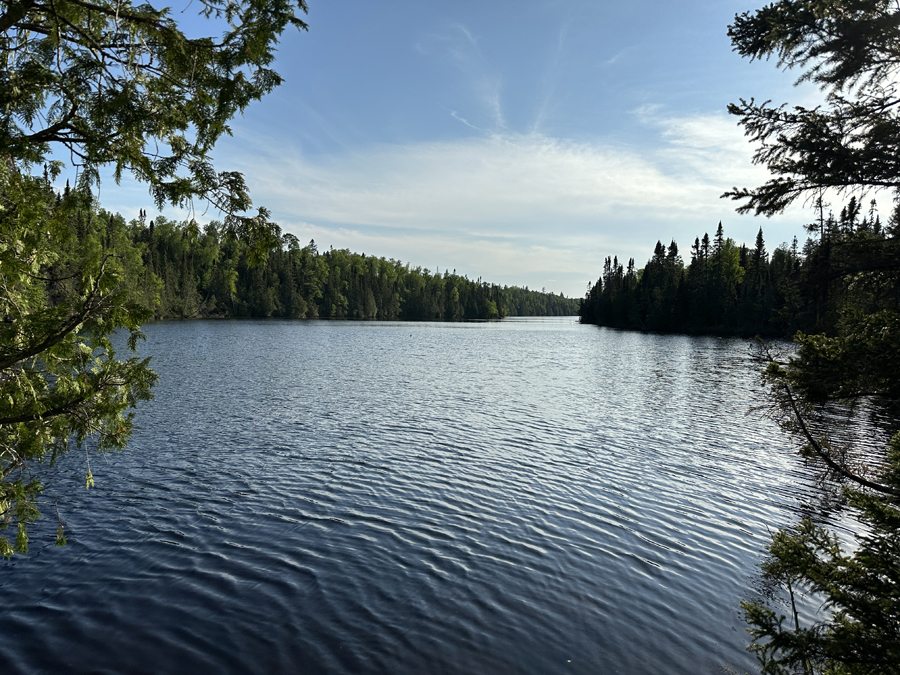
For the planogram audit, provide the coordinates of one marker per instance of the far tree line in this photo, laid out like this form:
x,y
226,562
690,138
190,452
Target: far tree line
x,y
180,270
726,288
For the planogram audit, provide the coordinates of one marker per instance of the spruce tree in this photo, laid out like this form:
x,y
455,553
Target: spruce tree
x,y
851,144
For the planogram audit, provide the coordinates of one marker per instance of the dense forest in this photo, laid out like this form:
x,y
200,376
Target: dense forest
x,y
178,270
732,289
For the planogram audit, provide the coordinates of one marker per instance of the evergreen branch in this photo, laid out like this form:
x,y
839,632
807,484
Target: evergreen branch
x,y
823,454
67,407
88,307
15,13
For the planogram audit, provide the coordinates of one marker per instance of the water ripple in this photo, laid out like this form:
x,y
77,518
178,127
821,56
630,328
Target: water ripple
x,y
318,497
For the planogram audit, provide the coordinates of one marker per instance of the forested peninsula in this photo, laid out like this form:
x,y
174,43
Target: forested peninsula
x,y
182,271
731,289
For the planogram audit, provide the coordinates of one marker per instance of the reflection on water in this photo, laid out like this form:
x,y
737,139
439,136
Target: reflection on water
x,y
325,497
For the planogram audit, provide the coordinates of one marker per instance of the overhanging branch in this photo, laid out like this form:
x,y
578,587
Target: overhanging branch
x,y
823,454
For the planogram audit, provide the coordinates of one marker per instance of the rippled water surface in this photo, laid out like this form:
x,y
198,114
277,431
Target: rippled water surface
x,y
333,497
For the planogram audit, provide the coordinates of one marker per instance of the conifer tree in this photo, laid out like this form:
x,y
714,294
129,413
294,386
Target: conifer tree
x,y
109,84
849,49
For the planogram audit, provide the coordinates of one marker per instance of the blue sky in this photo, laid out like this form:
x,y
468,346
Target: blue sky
x,y
521,142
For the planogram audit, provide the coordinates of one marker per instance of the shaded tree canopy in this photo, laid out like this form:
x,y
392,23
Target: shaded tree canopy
x,y
852,143
110,84
724,289
62,296
114,84
851,49
181,271
120,85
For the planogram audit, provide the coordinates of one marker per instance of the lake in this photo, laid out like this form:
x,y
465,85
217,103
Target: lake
x,y
528,496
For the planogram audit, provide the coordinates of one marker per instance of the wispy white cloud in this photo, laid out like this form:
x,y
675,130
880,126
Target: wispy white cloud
x,y
467,33
548,82
499,181
514,209
517,202
459,118
461,46
618,56
708,146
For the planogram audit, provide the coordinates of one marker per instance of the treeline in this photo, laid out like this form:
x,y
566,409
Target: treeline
x,y
731,289
180,270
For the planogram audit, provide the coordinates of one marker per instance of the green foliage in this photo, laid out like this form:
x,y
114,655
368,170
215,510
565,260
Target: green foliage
x,y
860,591
863,359
852,277
848,48
117,84
724,289
209,274
62,295
839,284
524,302
109,84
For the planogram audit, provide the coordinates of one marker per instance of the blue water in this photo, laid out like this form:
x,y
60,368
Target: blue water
x,y
529,496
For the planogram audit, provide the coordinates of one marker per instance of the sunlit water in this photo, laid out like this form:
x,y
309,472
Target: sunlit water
x,y
335,497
